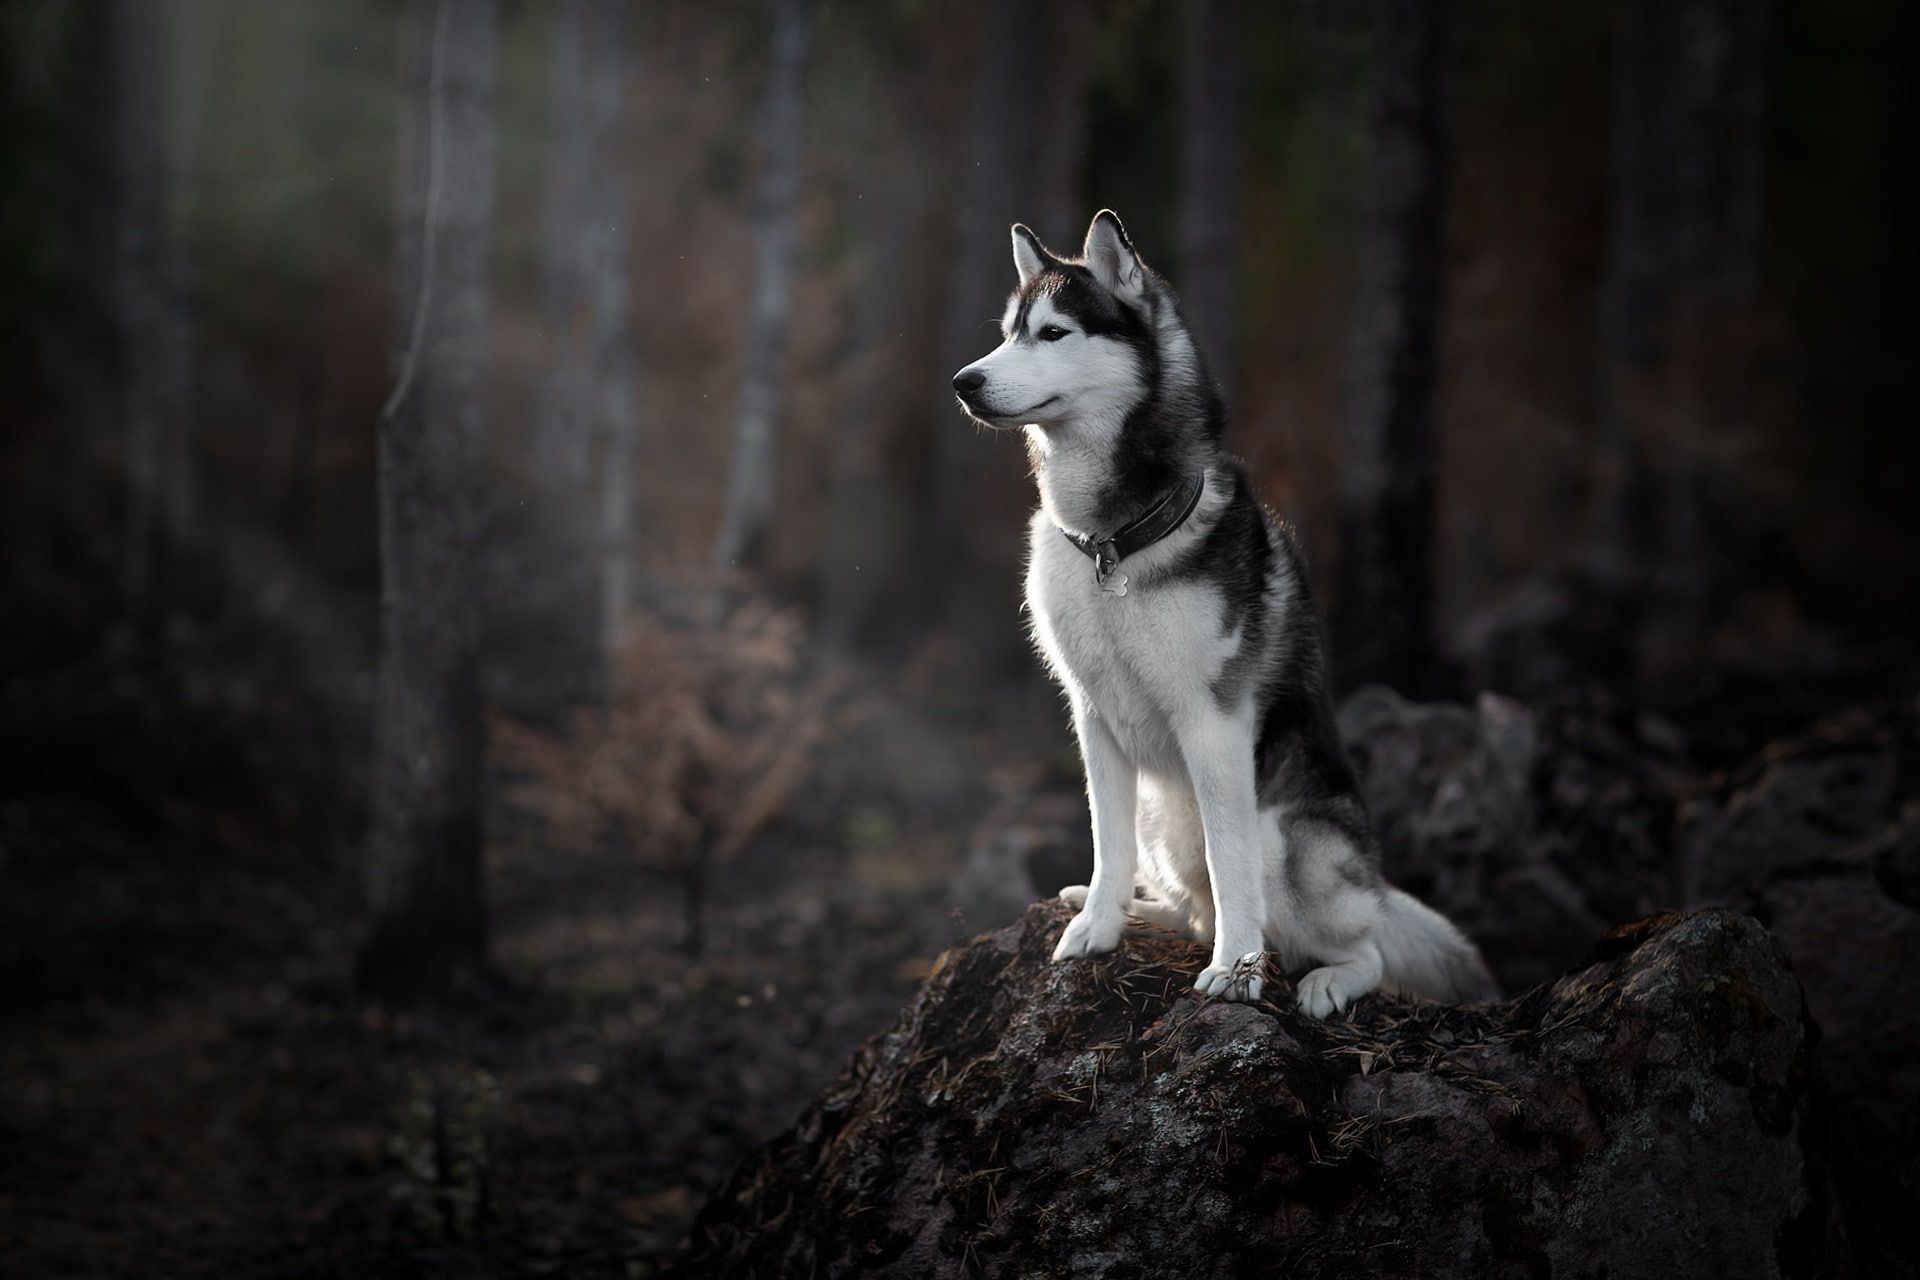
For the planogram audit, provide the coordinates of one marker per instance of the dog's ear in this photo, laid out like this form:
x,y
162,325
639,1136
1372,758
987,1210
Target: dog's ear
x,y
1111,257
1030,257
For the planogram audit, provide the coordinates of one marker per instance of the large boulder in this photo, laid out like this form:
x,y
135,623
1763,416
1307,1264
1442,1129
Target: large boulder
x,y
1536,830
1843,797
1819,837
1644,1115
1024,849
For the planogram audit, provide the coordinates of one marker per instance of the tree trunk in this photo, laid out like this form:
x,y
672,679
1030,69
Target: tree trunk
x,y
187,96
977,487
425,845
1059,183
1210,185
748,514
1683,249
560,429
863,519
150,330
1383,620
611,364
583,445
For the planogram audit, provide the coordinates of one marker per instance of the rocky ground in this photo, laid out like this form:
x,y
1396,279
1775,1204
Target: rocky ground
x,y
1649,1115
1729,1091
189,1084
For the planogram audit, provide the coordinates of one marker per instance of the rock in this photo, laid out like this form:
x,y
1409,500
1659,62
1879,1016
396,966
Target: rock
x,y
1534,639
1023,850
1645,1115
1825,800
1535,830
1820,838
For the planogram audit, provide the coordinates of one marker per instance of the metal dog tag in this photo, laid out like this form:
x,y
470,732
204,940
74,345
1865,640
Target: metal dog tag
x,y
1106,560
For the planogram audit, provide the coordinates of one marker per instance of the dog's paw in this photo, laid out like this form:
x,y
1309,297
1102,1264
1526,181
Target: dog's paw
x,y
1240,980
1074,895
1326,991
1085,936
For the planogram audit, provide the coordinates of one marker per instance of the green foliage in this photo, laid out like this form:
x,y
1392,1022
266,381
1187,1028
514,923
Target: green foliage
x,y
870,831
440,1143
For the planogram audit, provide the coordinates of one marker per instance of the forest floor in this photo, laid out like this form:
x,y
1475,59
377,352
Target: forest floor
x,y
191,1086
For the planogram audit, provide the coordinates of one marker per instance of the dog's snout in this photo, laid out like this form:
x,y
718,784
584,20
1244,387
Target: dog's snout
x,y
968,381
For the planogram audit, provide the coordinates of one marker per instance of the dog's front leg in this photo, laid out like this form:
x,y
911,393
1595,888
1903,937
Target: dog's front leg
x,y
1112,785
1219,755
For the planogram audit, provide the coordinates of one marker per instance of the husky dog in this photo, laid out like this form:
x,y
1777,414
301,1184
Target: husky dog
x,y
1176,614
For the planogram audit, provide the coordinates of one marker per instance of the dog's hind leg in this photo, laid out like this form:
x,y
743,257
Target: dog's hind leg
x,y
1172,862
1334,910
1173,855
1332,987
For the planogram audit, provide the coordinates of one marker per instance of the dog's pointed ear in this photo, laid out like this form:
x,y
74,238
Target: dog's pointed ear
x,y
1030,257
1111,257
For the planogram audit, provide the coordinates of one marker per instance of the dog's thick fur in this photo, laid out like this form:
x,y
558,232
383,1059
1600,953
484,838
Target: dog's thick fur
x,y
1215,770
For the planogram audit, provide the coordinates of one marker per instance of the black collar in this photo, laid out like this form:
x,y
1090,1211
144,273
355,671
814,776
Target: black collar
x,y
1161,519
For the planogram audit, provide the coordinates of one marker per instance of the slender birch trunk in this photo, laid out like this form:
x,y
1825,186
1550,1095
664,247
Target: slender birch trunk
x,y
150,329
611,364
424,850
748,514
583,447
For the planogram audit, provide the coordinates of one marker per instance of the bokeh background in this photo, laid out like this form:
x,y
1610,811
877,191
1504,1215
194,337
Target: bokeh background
x,y
512,664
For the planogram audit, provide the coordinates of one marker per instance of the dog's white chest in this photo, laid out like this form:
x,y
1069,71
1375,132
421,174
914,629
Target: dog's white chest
x,y
1133,658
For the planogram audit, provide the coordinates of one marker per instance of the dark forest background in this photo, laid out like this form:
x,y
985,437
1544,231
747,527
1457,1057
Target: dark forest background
x,y
511,661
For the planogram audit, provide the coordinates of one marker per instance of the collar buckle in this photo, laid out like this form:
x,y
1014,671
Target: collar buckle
x,y
1166,515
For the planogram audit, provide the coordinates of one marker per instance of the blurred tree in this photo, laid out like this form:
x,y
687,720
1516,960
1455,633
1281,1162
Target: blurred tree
x,y
583,439
1210,184
885,100
150,318
1684,225
973,513
863,511
1383,621
424,847
78,352
748,514
1059,182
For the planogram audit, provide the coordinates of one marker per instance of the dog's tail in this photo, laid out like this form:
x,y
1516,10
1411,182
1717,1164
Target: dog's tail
x,y
1427,956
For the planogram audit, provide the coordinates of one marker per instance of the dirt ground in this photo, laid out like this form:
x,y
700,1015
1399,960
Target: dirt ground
x,y
189,1084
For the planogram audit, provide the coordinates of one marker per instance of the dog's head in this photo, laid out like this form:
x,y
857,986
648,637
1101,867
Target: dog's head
x,y
1079,337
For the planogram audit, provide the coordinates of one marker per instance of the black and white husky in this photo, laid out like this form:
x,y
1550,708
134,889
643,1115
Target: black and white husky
x,y
1176,614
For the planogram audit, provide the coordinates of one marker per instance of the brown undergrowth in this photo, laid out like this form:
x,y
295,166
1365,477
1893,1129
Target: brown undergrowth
x,y
709,730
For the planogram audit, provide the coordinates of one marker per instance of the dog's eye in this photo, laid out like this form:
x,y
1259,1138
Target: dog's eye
x,y
1051,333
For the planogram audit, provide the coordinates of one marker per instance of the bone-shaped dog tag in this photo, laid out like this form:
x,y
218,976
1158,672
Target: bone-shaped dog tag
x,y
1116,585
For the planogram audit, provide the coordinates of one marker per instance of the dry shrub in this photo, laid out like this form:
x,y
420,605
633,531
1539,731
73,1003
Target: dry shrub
x,y
708,731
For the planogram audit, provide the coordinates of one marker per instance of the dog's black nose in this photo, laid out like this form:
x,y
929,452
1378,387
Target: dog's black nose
x,y
968,381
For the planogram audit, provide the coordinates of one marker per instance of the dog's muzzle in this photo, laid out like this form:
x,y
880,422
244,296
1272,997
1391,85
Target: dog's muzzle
x,y
967,384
